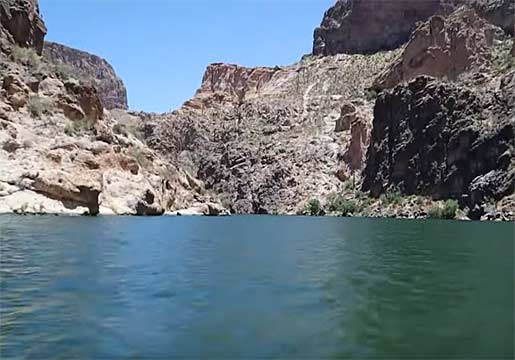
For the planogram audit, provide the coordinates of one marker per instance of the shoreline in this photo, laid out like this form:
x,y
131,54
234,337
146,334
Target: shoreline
x,y
173,215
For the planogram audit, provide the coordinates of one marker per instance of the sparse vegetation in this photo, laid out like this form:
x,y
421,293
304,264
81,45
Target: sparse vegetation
x,y
313,208
26,56
127,130
448,211
504,61
391,198
39,106
140,156
371,94
65,72
79,127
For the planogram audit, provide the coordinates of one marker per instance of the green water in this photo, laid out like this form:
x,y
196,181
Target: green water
x,y
255,287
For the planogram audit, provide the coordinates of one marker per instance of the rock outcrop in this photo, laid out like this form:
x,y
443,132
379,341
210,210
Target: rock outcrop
x,y
443,47
21,24
443,140
368,26
265,139
60,151
92,70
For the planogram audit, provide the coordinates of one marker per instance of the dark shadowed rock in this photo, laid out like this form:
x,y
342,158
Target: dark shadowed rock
x,y
91,69
21,24
442,140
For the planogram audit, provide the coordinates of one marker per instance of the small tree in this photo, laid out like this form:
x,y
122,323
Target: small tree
x,y
313,207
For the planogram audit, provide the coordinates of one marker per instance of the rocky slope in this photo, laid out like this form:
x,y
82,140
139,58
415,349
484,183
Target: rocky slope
x,y
62,152
424,116
92,69
267,139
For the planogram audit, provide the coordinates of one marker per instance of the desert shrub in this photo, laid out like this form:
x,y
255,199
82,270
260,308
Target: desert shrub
x,y
448,211
65,72
140,156
504,61
39,106
435,212
129,129
349,184
370,94
348,207
391,198
338,204
79,127
313,207
26,56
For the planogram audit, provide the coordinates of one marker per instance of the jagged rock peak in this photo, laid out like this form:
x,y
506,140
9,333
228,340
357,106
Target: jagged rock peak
x,y
92,69
368,26
21,24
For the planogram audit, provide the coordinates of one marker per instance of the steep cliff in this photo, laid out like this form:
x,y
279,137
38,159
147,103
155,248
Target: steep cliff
x,y
91,69
368,26
60,151
444,140
21,23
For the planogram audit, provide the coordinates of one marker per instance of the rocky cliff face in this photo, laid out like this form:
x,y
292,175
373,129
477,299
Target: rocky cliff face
x,y
443,47
444,140
91,69
368,26
267,139
61,152
21,23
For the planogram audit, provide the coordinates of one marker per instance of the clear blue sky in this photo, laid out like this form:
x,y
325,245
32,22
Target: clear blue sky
x,y
160,48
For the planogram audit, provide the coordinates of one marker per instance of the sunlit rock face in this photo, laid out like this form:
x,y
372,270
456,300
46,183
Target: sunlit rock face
x,y
368,26
93,70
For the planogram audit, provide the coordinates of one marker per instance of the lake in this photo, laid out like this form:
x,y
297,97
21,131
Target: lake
x,y
249,286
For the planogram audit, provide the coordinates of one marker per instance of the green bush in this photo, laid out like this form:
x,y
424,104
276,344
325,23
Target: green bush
x,y
39,106
65,72
371,94
313,208
338,204
391,198
79,127
26,56
448,211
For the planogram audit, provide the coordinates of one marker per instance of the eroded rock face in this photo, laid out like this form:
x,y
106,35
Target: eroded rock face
x,y
443,140
91,69
265,142
443,47
501,13
229,83
21,24
368,26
